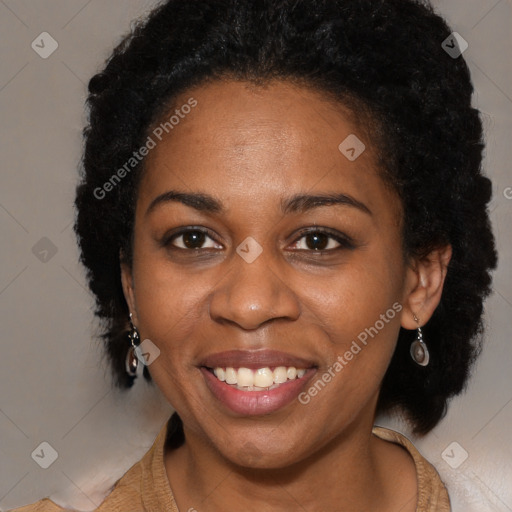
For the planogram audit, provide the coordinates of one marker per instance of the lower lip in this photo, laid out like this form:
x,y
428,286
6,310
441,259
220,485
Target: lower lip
x,y
253,403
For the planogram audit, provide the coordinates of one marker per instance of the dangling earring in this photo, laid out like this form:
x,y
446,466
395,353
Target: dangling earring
x,y
419,351
132,362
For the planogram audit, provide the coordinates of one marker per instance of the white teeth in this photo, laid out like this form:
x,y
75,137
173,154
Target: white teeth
x,y
256,388
231,376
220,374
291,373
261,379
280,375
245,377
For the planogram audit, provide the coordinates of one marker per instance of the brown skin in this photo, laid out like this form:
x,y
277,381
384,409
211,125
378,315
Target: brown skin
x,y
250,147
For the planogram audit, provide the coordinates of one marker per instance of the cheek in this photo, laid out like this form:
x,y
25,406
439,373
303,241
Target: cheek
x,y
362,341
169,304
358,309
354,298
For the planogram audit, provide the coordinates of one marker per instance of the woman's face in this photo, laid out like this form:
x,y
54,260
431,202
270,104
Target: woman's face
x,y
282,250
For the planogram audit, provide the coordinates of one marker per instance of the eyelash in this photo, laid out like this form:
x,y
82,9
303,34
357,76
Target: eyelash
x,y
344,241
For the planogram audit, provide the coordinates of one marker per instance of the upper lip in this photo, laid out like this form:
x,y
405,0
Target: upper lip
x,y
254,359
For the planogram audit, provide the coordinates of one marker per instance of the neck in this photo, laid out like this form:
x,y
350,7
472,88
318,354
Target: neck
x,y
344,475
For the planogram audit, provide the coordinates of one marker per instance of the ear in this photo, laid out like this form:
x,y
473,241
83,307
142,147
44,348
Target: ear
x,y
424,287
128,286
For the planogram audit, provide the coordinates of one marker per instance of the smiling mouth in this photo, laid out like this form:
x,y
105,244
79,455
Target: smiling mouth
x,y
259,379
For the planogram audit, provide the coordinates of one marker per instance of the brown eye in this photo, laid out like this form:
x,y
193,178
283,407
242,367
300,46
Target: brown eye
x,y
192,239
317,241
320,240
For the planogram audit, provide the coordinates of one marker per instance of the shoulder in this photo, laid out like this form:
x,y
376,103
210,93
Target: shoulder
x,y
432,493
45,505
124,495
131,491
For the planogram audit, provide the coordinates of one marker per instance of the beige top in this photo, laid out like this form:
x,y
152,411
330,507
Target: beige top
x,y
145,487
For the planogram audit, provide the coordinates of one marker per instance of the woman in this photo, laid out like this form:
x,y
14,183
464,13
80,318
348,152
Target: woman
x,y
277,212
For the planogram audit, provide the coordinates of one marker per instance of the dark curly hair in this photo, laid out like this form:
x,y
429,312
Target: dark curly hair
x,y
380,57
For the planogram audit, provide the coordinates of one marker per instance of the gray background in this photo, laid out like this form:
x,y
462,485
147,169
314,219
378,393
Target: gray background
x,y
55,386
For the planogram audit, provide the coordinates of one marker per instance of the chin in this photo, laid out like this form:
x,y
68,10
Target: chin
x,y
260,455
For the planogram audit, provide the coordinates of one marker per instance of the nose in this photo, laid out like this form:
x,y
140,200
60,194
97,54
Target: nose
x,y
252,294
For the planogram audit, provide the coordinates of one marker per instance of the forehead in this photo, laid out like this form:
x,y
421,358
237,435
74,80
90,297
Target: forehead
x,y
241,139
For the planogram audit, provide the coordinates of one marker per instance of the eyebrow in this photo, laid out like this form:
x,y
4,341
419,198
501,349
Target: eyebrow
x,y
200,202
298,203
301,203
